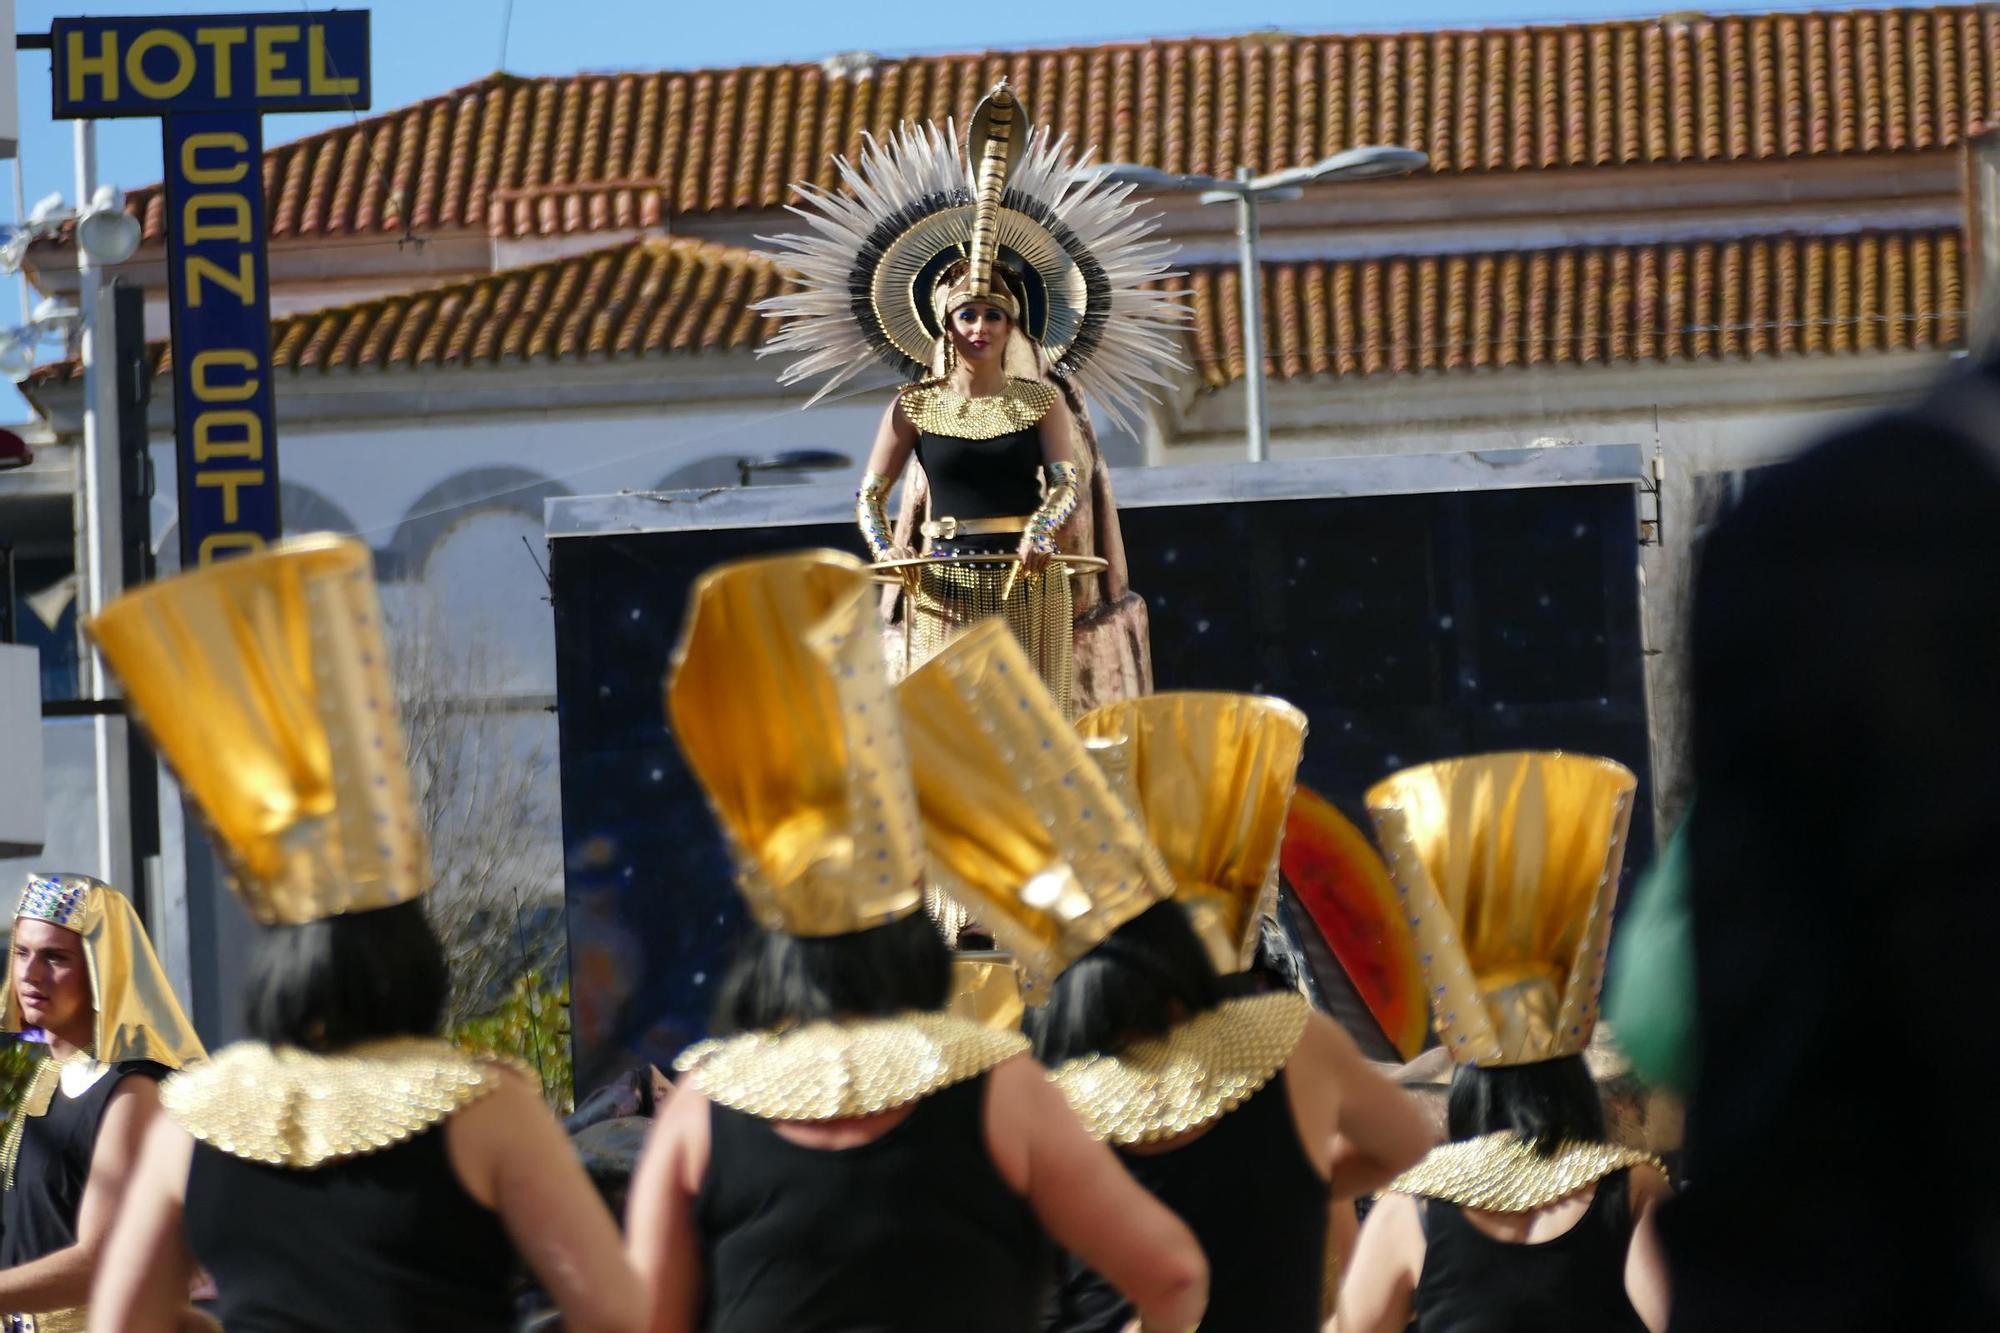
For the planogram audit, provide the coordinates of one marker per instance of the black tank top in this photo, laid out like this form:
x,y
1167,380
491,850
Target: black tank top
x,y
38,1215
1574,1283
1258,1206
994,478
389,1241
915,1232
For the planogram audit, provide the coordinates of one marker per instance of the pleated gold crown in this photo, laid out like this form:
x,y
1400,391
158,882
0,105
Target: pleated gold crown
x,y
265,683
780,699
1508,869
1211,776
1024,830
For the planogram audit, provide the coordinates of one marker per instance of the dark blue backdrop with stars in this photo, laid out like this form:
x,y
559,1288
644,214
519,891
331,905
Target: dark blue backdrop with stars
x,y
1408,628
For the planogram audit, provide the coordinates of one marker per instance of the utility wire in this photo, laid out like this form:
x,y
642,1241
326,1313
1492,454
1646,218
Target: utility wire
x,y
402,204
506,31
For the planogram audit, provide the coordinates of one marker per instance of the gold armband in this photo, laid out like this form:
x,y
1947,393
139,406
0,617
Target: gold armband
x,y
1059,501
871,511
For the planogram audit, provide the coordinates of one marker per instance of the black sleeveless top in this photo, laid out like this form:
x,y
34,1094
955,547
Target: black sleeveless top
x,y
1574,1283
388,1241
1253,1199
996,478
38,1215
914,1232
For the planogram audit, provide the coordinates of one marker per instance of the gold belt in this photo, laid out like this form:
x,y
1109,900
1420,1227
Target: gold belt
x,y
947,528
55,1321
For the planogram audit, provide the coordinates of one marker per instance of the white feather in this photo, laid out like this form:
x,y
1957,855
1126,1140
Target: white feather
x,y
1140,342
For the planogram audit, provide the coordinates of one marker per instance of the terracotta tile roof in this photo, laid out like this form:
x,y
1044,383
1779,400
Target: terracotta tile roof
x,y
1782,295
600,152
648,297
1756,296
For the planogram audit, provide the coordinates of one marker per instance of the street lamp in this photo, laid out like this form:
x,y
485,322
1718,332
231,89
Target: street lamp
x,y
105,235
1247,192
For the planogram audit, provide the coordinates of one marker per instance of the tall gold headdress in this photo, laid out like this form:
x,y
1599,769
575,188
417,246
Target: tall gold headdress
x,y
1508,868
779,698
994,150
138,1017
1017,220
1211,775
265,683
1023,828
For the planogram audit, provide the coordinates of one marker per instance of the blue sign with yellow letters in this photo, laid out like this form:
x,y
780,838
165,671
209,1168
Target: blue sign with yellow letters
x,y
211,78
112,67
220,306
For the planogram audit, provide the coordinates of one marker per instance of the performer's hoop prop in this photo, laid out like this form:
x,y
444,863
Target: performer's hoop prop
x,y
910,575
899,571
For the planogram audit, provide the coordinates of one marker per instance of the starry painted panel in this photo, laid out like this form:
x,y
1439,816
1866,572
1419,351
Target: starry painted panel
x,y
1407,627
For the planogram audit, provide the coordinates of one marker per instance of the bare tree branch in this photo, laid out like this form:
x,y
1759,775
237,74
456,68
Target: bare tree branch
x,y
484,788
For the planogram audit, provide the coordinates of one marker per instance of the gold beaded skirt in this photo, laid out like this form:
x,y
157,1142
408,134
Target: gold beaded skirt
x,y
1040,610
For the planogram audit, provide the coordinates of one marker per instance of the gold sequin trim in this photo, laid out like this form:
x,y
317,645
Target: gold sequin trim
x,y
935,409
834,1071
288,1107
1502,1173
54,1321
1198,1073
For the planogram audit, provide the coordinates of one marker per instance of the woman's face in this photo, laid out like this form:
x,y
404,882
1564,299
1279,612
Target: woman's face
x,y
979,331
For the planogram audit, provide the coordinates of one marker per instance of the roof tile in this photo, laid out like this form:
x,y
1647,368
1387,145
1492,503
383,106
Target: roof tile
x,y
592,152
1728,299
1783,295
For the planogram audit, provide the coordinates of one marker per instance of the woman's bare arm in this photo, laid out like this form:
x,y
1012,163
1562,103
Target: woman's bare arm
x,y
1380,1132
1646,1280
659,1216
895,440
144,1270
512,1155
1089,1203
1058,433
1381,1280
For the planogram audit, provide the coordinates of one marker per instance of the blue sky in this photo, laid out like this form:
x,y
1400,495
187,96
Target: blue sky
x,y
426,46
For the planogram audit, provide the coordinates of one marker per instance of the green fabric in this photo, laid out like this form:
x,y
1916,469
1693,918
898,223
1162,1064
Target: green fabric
x,y
1649,996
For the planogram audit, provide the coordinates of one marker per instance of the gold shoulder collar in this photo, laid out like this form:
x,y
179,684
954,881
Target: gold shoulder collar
x,y
935,409
834,1071
1199,1072
1501,1173
287,1107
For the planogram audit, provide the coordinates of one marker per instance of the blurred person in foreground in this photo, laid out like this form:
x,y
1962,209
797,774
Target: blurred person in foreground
x,y
845,1154
83,982
1845,904
1251,1116
1526,1219
345,1168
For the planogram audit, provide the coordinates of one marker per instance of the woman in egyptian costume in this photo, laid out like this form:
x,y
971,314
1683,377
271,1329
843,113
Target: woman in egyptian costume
x,y
344,1167
1248,1113
1526,1218
845,1153
1006,286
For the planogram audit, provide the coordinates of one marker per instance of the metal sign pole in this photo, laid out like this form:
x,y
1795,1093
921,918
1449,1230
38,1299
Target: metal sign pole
x,y
209,79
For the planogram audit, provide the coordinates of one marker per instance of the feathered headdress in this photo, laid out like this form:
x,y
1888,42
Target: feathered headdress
x,y
1018,220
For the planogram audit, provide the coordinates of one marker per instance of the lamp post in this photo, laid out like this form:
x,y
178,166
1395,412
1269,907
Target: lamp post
x,y
1247,192
106,236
